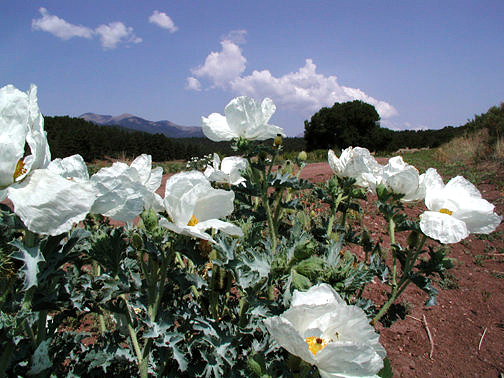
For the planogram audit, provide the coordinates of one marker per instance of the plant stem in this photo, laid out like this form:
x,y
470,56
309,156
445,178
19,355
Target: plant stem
x,y
5,358
101,318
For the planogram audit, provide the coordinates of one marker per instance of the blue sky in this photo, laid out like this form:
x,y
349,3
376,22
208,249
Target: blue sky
x,y
423,64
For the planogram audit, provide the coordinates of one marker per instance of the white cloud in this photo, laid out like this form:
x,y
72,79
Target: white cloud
x,y
59,27
110,35
193,84
162,20
305,90
114,33
223,67
236,36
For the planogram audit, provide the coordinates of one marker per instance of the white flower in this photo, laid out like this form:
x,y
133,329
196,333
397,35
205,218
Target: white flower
x,y
455,210
323,330
243,118
402,178
354,163
194,206
20,123
124,191
228,171
46,202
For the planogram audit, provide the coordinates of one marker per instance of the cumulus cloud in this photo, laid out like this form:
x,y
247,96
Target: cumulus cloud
x,y
162,20
305,90
223,67
193,83
111,35
114,33
59,27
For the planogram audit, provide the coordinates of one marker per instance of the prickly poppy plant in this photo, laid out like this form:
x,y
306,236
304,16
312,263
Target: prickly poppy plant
x,y
214,278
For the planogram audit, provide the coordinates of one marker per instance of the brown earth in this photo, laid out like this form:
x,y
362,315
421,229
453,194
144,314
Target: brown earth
x,y
467,324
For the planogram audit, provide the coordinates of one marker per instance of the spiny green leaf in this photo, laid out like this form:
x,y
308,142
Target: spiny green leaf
x,y
31,257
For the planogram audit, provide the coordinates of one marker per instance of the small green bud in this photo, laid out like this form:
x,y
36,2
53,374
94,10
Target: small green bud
x,y
300,282
302,156
242,144
136,241
381,191
254,366
413,239
288,167
312,268
149,219
304,249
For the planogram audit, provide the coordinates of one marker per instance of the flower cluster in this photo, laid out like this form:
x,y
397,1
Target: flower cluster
x,y
454,210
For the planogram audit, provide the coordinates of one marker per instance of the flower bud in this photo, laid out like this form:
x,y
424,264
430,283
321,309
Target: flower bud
x,y
278,140
136,241
304,249
302,156
300,282
312,268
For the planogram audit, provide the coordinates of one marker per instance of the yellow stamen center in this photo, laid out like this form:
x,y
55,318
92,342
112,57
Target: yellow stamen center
x,y
315,344
20,169
193,221
446,211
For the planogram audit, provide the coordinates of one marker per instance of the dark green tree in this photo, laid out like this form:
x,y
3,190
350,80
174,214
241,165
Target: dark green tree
x,y
354,123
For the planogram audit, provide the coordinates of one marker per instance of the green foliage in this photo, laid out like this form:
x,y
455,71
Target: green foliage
x,y
342,125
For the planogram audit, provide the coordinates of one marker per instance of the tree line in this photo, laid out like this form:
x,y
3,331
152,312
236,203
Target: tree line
x,y
353,123
68,135
356,123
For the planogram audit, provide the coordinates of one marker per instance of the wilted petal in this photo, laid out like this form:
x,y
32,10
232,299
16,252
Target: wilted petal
x,y
443,227
50,204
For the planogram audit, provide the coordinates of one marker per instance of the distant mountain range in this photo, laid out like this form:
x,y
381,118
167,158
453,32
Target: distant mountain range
x,y
130,121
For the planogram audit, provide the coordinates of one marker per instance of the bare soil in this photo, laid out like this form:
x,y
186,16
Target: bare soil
x,y
467,324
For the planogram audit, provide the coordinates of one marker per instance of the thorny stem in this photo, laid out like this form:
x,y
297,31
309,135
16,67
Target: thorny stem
x,y
397,289
101,318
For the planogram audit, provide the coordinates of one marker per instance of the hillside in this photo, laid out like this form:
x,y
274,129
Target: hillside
x,y
130,121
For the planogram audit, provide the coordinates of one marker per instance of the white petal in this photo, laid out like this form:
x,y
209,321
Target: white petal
x,y
13,130
217,224
181,182
461,185
155,179
143,165
185,230
50,204
317,295
241,113
214,204
216,128
334,163
120,193
36,138
234,166
478,216
443,227
349,360
288,337
72,167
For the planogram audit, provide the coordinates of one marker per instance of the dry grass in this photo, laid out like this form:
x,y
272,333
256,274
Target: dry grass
x,y
499,149
465,149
